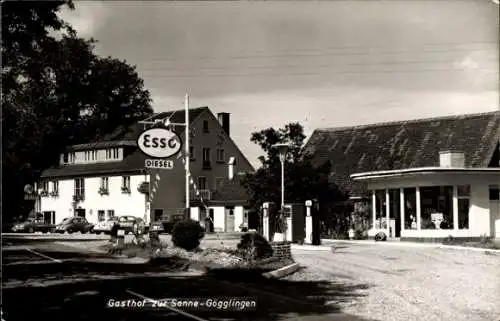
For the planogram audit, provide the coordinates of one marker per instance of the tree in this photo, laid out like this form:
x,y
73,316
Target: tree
x,y
303,180
56,92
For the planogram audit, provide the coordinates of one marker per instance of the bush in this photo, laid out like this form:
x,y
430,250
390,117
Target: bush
x,y
187,234
254,246
380,236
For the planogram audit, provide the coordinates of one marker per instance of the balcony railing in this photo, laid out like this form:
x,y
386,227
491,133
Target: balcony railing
x,y
206,194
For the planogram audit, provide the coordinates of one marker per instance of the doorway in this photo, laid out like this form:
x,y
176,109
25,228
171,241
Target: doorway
x,y
495,211
49,217
209,224
394,213
229,215
80,212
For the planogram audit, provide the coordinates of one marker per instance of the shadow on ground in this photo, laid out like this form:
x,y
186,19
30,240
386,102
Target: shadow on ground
x,y
87,299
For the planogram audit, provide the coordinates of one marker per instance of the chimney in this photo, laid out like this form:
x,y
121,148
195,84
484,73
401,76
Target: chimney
x,y
230,165
455,159
224,121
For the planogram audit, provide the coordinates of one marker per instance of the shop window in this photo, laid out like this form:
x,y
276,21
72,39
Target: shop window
x,y
436,207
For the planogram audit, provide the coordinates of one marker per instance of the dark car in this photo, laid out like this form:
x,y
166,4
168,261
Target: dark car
x,y
33,224
166,226
131,224
74,224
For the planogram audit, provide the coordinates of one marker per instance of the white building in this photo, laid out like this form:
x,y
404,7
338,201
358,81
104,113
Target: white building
x,y
93,184
421,179
105,178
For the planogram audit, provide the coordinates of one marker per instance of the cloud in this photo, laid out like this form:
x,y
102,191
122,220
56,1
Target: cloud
x,y
87,18
466,64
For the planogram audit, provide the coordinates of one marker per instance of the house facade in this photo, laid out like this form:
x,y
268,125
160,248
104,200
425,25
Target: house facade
x,y
228,210
108,177
425,179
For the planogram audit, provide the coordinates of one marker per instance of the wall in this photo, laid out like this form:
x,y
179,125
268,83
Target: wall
x,y
170,194
479,213
219,218
123,204
238,217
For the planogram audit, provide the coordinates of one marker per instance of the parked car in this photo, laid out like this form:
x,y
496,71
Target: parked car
x,y
74,224
33,224
106,226
131,224
165,226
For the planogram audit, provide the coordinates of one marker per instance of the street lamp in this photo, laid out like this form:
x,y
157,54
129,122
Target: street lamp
x,y
283,152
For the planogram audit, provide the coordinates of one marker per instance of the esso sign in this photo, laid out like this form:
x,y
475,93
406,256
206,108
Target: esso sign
x,y
159,143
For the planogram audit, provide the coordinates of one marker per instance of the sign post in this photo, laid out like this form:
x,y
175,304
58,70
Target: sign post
x,y
160,143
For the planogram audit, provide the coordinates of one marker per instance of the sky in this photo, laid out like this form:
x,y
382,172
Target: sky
x,y
319,63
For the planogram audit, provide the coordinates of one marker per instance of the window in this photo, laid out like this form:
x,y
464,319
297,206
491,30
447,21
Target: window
x,y
87,156
206,154
191,153
65,158
494,193
220,156
55,187
158,214
72,157
205,126
105,183
206,158
80,187
111,213
410,198
219,181
126,182
112,153
202,182
94,155
463,194
436,207
49,217
101,216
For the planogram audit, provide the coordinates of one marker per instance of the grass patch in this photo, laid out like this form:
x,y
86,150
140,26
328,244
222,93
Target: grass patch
x,y
488,243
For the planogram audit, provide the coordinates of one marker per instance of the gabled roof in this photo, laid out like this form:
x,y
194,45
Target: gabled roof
x,y
121,136
130,133
404,144
133,163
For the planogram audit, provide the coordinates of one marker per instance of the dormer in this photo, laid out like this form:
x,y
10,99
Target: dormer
x,y
92,153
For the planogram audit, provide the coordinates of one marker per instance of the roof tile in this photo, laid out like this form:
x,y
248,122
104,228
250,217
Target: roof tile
x,y
404,144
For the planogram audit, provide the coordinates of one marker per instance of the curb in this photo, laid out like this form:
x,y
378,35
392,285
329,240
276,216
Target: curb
x,y
413,244
311,247
20,239
281,272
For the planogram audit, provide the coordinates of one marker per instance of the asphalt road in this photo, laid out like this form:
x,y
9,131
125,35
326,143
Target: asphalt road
x,y
411,282
49,280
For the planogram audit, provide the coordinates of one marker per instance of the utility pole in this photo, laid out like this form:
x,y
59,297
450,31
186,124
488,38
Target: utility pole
x,y
187,156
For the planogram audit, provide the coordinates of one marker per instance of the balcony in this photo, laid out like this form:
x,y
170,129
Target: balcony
x,y
205,194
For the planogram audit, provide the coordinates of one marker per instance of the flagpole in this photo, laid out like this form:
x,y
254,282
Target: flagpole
x,y
186,153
